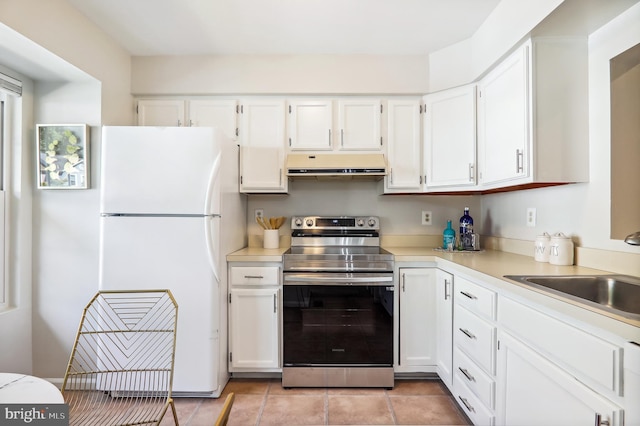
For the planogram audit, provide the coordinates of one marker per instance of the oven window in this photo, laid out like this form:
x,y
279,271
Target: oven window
x,y
338,325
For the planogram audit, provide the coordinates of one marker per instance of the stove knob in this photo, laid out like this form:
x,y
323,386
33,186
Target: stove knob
x,y
360,222
372,222
297,222
309,222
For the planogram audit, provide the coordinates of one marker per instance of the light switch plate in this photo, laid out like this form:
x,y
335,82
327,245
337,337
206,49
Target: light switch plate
x,y
426,217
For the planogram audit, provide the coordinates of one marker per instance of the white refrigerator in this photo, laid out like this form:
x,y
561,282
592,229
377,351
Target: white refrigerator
x,y
170,212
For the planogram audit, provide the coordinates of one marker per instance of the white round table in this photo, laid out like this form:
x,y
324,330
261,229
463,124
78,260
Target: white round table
x,y
21,388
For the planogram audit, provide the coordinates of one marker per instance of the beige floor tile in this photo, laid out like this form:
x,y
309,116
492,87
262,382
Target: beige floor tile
x,y
246,386
294,410
425,410
359,410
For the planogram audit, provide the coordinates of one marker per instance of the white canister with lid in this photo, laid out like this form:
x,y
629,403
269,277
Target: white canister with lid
x,y
561,250
542,243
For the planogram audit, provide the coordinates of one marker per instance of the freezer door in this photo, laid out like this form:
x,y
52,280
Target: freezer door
x,y
160,170
171,253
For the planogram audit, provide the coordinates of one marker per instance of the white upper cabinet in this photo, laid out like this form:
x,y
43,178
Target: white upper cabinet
x,y
504,120
215,113
161,112
359,125
450,139
195,113
404,145
262,152
533,116
310,125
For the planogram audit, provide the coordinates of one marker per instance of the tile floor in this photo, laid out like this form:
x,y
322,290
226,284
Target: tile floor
x,y
266,402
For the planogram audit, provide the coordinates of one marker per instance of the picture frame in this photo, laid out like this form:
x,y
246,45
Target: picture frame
x,y
63,156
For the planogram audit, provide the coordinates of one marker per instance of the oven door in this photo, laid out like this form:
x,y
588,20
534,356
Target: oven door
x,y
338,319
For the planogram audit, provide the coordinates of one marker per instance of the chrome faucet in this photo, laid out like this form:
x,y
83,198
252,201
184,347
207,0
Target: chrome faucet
x,y
633,239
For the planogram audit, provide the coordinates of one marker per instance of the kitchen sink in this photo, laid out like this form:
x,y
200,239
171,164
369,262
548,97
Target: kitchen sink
x,y
619,294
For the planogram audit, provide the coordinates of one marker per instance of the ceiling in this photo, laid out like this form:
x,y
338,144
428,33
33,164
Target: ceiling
x,y
274,27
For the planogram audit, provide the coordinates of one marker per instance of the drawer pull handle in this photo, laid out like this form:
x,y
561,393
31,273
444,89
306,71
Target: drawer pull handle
x,y
466,404
469,295
467,375
259,277
467,333
600,421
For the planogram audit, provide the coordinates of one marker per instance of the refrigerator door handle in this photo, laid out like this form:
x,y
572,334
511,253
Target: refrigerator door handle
x,y
211,187
211,249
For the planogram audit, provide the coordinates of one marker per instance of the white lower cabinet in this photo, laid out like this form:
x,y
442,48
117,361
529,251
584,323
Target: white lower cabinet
x,y
254,319
535,391
474,348
417,320
444,326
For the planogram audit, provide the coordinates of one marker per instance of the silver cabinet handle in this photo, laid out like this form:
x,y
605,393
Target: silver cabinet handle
x,y
403,283
275,303
471,173
466,404
259,277
519,161
391,175
467,333
469,295
600,421
179,123
341,137
280,182
447,288
329,137
467,374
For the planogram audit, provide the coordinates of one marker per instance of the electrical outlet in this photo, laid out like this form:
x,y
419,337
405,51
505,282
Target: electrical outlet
x,y
531,217
258,213
426,217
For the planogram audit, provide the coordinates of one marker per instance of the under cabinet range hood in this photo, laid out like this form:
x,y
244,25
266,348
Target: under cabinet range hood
x,y
349,166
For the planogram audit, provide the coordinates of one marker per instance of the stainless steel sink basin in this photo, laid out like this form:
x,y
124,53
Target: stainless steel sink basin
x,y
619,294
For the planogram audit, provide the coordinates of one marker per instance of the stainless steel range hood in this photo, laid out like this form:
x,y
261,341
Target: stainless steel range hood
x,y
337,166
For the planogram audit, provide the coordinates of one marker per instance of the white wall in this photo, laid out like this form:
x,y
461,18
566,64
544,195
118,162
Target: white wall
x,y
581,210
274,74
64,240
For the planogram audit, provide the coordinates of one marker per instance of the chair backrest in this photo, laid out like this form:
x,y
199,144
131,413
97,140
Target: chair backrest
x,y
121,365
223,417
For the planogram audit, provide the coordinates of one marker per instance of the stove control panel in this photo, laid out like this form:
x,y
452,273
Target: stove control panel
x,y
345,223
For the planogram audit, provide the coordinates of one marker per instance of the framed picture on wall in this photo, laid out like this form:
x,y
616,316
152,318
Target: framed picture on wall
x,y
63,156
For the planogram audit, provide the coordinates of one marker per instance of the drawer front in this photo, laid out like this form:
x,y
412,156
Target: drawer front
x,y
577,350
470,404
255,275
476,337
476,380
475,298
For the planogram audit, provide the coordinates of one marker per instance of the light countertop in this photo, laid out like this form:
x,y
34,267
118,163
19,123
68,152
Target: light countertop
x,y
490,266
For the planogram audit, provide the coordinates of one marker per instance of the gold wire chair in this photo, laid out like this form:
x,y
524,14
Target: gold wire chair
x,y
223,417
121,367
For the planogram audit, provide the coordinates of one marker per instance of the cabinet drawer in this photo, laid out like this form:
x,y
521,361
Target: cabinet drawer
x,y
476,337
255,275
476,380
475,298
470,404
577,350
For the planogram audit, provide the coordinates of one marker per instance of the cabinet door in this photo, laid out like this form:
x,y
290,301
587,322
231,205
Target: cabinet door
x,y
403,146
504,120
533,390
262,152
310,125
253,328
161,113
417,320
359,122
215,113
450,138
444,326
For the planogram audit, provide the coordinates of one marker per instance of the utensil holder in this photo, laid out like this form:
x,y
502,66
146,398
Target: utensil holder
x,y
271,239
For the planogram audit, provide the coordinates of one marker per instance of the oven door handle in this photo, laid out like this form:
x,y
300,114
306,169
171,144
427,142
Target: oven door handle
x,y
337,279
